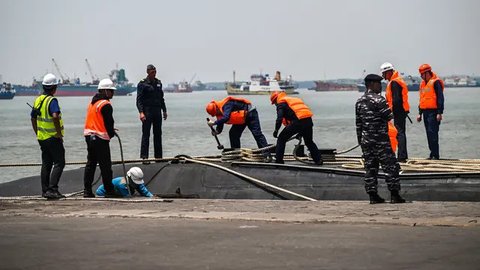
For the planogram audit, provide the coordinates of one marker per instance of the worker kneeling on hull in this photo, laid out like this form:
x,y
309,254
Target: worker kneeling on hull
x,y
133,181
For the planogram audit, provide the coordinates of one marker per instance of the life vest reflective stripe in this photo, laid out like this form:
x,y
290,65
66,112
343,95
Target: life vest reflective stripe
x,y
428,97
94,124
392,133
45,125
236,117
388,92
298,107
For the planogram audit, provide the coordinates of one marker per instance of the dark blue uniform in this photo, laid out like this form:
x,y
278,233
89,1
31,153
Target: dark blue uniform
x,y
304,127
251,121
432,126
150,101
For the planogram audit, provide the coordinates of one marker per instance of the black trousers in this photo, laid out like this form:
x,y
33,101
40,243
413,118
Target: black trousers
x,y
304,127
153,118
98,153
53,156
253,123
399,123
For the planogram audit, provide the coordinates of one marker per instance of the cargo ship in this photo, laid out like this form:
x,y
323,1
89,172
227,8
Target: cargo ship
x,y
181,87
7,91
413,84
260,84
460,81
323,86
77,88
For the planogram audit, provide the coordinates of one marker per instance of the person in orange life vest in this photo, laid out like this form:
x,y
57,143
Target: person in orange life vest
x,y
431,107
392,134
297,118
99,129
396,95
239,113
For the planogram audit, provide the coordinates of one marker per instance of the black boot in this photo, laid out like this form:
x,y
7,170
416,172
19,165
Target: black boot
x,y
375,198
396,198
88,194
319,162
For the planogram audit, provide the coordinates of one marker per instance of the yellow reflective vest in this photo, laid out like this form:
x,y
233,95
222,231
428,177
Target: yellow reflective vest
x,y
45,126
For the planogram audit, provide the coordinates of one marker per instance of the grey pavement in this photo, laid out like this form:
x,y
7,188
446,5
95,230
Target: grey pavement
x,y
218,234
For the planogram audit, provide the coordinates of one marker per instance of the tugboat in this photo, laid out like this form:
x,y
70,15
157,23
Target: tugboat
x,y
7,91
260,84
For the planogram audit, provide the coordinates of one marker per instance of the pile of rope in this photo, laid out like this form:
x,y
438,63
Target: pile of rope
x,y
247,154
416,164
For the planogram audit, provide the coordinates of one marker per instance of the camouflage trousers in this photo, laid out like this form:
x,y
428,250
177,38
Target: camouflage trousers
x,y
380,153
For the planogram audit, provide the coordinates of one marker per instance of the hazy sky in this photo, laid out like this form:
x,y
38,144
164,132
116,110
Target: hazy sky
x,y
211,38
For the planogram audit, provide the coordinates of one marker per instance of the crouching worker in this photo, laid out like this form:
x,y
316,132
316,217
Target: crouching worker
x,y
239,113
297,118
135,183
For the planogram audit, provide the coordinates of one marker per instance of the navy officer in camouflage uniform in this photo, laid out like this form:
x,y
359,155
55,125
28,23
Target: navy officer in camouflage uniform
x,y
371,117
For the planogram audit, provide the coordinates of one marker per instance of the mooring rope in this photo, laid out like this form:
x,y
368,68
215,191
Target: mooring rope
x,y
251,179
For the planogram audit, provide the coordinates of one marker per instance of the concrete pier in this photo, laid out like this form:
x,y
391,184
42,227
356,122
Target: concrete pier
x,y
237,234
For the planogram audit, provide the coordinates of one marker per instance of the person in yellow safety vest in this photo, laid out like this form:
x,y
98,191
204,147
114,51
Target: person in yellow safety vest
x,y
47,124
297,118
431,107
99,129
396,95
239,113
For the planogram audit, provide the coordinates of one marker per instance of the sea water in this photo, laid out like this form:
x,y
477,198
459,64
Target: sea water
x,y
186,132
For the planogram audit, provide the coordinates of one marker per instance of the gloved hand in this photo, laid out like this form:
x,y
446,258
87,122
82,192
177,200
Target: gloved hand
x,y
211,123
214,132
275,134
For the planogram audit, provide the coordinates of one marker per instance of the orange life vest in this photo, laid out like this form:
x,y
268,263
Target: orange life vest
x,y
94,124
428,97
388,92
298,107
236,117
392,133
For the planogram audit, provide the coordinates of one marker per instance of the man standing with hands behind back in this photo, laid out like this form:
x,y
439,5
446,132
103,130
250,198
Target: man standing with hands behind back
x,y
150,105
431,106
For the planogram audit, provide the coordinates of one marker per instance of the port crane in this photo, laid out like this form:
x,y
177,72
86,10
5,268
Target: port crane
x,y
95,79
64,80
193,77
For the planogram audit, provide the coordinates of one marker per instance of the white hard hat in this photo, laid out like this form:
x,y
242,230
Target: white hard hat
x,y
106,84
136,174
49,79
386,67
